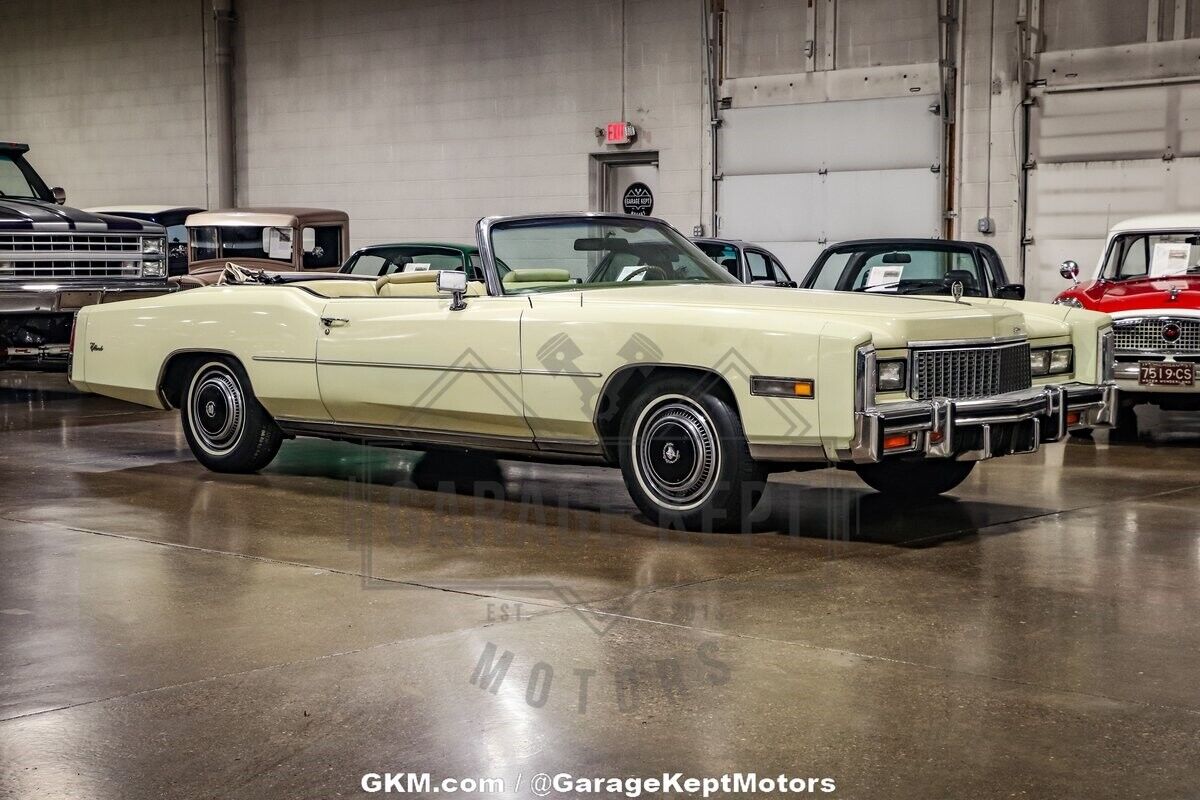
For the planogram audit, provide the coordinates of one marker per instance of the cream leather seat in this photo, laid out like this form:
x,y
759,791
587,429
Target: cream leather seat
x,y
417,284
533,278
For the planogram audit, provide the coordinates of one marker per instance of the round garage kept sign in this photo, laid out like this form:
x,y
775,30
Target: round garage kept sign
x,y
638,199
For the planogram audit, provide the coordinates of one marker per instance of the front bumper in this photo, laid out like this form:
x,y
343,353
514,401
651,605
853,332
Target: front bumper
x,y
973,430
36,317
31,297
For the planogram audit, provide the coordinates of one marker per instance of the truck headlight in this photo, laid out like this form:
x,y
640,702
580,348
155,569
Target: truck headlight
x,y
1051,360
154,269
891,375
153,245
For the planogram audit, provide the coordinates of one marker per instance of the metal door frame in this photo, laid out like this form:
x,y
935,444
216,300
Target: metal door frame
x,y
600,167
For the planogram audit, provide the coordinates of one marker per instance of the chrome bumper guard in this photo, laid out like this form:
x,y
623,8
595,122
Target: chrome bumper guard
x,y
969,430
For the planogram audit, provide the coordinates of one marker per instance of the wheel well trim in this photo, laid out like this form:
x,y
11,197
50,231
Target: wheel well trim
x,y
653,365
159,385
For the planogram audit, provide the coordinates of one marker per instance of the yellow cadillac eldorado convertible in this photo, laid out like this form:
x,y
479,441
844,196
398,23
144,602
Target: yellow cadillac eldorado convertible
x,y
609,339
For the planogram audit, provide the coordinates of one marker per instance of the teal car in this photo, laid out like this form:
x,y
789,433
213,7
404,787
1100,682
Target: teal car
x,y
384,259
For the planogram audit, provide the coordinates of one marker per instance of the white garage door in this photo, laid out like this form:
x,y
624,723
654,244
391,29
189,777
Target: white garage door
x,y
1101,157
797,177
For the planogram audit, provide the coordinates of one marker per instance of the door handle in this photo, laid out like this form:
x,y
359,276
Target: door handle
x,y
334,322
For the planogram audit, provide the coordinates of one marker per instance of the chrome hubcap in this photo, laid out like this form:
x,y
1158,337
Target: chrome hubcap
x,y
677,454
218,411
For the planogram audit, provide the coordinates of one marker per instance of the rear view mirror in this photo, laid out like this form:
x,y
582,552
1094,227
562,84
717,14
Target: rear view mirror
x,y
897,258
595,244
1070,271
453,283
60,195
1011,291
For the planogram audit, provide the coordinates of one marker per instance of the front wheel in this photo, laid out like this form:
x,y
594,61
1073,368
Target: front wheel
x,y
226,427
685,459
915,478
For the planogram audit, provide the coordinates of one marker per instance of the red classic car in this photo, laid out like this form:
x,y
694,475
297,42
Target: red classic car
x,y
1148,279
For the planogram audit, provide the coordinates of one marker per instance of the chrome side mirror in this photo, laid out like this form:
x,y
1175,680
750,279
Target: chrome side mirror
x,y
1070,271
453,283
60,195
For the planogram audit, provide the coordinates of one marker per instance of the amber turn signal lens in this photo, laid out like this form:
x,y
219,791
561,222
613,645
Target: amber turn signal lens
x,y
782,387
1072,418
934,437
897,441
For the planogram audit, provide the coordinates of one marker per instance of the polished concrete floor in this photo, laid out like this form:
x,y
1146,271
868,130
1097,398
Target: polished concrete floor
x,y
169,632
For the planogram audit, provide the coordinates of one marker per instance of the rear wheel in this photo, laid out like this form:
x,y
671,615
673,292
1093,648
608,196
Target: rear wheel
x,y
915,478
225,425
685,459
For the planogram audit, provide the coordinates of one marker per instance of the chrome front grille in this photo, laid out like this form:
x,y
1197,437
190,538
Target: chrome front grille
x,y
70,255
70,269
965,373
1146,335
70,242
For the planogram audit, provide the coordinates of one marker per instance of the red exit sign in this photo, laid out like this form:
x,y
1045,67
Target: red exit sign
x,y
619,133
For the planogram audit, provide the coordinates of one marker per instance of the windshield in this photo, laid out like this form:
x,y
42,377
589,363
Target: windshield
x,y
574,253
1149,254
241,242
907,269
17,179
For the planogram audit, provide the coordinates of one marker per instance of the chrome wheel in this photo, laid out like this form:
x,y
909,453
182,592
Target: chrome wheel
x,y
216,409
677,453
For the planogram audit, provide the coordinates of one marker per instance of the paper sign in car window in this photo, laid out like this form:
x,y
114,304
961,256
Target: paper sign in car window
x,y
1169,258
416,267
279,243
632,268
878,276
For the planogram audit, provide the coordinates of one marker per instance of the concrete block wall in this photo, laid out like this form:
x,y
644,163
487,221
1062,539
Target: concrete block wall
x,y
418,118
109,96
989,128
876,33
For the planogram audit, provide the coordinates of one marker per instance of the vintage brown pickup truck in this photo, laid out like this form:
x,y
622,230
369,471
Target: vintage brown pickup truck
x,y
271,239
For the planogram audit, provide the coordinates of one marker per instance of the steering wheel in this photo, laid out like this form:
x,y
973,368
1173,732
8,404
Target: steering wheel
x,y
662,276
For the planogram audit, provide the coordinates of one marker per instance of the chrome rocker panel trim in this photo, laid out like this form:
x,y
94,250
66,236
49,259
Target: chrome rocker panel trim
x,y
515,447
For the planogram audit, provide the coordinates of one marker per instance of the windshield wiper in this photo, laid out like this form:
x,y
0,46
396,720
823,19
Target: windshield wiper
x,y
895,284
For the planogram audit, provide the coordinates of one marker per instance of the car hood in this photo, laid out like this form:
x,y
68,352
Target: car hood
x,y
1167,291
37,215
890,321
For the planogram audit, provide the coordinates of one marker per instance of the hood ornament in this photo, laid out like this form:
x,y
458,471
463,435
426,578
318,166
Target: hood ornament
x,y
956,290
1174,292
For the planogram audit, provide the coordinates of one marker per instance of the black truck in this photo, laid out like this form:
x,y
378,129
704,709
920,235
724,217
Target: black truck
x,y
54,260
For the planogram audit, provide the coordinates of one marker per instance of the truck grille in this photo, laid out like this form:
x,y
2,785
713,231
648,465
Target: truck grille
x,y
1146,335
70,269
70,255
964,373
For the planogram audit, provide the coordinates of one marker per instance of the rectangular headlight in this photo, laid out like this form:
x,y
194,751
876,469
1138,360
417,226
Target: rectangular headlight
x,y
153,245
1060,360
1050,360
154,269
891,375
